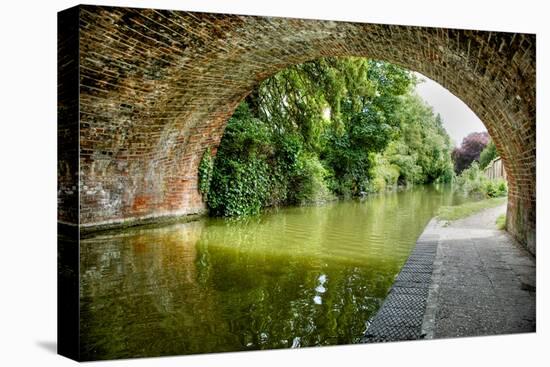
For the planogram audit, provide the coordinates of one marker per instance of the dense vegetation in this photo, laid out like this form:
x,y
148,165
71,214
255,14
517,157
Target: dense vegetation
x,y
472,181
470,150
333,127
487,154
470,159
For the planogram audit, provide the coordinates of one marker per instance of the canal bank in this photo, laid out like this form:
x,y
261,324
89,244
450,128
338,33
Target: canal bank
x,y
482,283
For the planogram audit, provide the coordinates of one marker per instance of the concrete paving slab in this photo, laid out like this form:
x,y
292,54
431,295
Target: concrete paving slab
x,y
464,278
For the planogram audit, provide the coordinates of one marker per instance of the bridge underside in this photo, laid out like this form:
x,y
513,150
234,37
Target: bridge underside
x,y
143,93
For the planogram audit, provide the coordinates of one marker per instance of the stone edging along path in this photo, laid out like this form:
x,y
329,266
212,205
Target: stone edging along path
x,y
402,313
463,278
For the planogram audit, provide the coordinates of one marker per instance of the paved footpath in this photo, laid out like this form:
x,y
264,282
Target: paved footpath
x,y
464,278
483,282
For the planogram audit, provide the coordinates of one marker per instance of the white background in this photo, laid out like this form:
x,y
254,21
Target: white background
x,y
28,182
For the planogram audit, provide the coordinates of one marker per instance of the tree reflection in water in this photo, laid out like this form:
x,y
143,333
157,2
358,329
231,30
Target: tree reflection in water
x,y
306,276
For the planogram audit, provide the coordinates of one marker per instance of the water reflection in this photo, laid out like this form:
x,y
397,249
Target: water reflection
x,y
292,277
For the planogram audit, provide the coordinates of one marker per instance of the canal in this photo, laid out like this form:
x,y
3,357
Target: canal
x,y
291,277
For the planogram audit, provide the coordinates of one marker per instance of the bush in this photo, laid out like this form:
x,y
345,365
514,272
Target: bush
x,y
383,174
473,181
308,182
490,189
496,188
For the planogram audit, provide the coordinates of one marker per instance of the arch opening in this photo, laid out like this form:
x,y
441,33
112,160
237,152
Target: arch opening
x,y
151,105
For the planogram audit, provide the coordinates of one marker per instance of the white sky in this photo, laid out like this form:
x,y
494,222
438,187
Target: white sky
x,y
458,119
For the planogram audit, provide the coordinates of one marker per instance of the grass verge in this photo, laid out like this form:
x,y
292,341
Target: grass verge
x,y
467,209
501,221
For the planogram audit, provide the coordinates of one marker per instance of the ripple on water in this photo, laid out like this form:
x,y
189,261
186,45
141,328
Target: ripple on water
x,y
294,277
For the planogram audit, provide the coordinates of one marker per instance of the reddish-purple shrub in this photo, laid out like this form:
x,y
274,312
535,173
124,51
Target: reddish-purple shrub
x,y
469,151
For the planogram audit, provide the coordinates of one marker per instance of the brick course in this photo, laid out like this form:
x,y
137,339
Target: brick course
x,y
157,87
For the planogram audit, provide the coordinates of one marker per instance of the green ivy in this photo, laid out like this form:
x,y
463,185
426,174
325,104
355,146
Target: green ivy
x,y
206,168
241,179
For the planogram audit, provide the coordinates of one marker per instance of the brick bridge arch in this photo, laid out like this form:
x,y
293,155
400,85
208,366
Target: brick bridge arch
x,y
157,87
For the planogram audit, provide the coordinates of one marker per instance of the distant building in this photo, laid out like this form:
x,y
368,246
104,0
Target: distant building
x,y
495,169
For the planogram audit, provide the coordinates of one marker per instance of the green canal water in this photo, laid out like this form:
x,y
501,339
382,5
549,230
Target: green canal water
x,y
292,277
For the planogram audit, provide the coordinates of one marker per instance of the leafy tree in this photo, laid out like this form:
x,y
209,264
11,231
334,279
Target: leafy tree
x,y
487,154
332,126
422,151
366,125
348,155
469,151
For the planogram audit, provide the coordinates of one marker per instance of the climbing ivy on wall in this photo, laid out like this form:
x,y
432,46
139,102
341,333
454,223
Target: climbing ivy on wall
x,y
206,168
241,181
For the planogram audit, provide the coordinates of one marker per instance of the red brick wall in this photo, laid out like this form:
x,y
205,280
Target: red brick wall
x,y
157,87
67,116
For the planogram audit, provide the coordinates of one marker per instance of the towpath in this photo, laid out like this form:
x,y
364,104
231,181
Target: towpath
x,y
464,278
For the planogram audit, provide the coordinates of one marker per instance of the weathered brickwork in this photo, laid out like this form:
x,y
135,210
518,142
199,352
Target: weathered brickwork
x,y
67,116
157,87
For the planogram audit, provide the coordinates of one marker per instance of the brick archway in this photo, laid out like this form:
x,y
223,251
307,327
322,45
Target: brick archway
x,y
157,87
